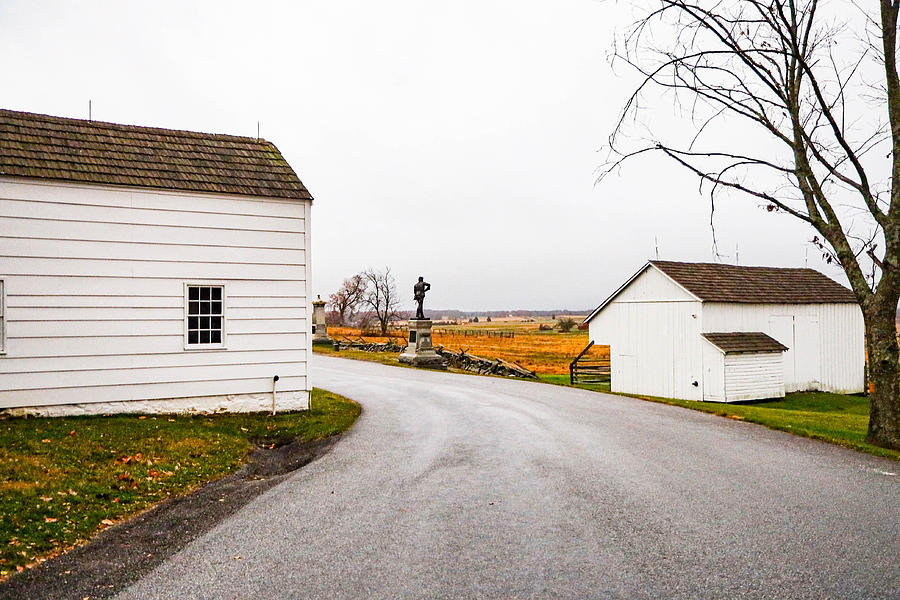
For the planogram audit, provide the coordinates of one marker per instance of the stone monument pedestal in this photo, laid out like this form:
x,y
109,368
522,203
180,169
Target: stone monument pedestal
x,y
420,352
319,328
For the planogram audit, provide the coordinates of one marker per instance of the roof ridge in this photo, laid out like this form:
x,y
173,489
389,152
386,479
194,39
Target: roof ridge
x,y
127,127
714,264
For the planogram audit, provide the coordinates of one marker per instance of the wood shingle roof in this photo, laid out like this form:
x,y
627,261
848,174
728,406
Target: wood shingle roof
x,y
713,282
737,342
41,146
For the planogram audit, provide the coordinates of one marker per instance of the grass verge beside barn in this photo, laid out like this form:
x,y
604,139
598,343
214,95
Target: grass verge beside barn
x,y
64,479
835,418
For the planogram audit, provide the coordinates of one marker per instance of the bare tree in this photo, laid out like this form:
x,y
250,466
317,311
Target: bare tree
x,y
381,296
811,102
349,296
565,324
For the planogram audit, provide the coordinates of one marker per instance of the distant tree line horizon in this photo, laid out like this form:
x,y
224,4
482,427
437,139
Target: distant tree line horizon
x,y
370,298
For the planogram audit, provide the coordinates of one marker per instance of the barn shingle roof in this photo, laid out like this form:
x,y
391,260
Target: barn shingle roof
x,y
735,342
712,282
33,145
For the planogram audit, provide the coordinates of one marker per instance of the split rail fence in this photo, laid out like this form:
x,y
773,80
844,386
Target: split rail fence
x,y
589,369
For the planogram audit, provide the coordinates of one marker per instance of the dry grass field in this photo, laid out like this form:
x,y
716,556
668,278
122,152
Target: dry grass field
x,y
546,352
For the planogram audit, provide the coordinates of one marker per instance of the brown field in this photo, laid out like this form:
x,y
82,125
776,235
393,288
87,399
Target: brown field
x,y
546,352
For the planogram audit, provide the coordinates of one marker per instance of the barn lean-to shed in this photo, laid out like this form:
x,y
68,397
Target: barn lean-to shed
x,y
146,269
715,332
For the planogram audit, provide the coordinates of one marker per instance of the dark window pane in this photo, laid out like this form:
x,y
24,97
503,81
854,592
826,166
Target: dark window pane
x,y
216,308
204,322
216,337
192,337
204,293
193,308
193,323
215,323
204,308
204,337
194,293
217,293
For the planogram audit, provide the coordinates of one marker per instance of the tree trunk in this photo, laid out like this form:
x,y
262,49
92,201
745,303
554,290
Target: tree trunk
x,y
884,370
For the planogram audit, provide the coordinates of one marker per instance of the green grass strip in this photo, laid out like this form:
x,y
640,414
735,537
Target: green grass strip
x,y
63,479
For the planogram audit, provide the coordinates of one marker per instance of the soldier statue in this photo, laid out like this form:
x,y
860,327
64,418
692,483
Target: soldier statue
x,y
419,290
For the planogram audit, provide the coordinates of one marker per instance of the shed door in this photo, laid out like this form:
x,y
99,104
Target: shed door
x,y
807,365
781,327
624,376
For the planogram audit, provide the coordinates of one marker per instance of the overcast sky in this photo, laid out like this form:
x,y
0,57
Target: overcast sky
x,y
454,140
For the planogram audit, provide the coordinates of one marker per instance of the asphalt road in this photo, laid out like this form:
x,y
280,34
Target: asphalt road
x,y
454,486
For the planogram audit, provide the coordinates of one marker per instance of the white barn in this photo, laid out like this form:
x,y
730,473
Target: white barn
x,y
725,333
149,270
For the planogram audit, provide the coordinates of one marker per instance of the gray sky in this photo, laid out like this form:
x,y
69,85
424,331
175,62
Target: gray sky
x,y
456,140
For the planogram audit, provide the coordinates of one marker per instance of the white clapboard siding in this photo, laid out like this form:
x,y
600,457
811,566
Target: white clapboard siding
x,y
95,280
127,251
94,285
154,199
86,213
67,267
49,364
105,377
156,344
149,391
238,302
754,376
187,234
144,313
95,302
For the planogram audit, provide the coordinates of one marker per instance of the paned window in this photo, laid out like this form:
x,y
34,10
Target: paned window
x,y
205,315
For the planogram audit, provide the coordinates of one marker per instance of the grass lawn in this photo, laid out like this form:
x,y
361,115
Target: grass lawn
x,y
835,418
63,479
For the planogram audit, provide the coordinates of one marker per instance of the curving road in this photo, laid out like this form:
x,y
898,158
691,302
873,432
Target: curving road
x,y
454,486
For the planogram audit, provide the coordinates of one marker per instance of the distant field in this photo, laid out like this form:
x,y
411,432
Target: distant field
x,y
546,352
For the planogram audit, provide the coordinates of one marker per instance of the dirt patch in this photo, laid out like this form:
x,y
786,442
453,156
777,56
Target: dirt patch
x,y
122,554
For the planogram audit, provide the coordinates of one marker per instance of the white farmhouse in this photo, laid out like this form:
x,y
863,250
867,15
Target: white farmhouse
x,y
147,269
725,333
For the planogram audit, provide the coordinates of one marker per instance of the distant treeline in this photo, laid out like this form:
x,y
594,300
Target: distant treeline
x,y
494,314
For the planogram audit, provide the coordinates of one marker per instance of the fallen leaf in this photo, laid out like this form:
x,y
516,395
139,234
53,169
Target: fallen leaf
x,y
115,500
171,420
107,522
153,473
20,568
46,498
236,557
72,492
49,520
46,440
72,432
142,417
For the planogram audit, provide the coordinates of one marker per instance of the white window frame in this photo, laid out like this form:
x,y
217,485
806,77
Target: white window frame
x,y
220,346
3,316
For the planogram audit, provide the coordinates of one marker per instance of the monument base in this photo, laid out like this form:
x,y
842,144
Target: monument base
x,y
420,351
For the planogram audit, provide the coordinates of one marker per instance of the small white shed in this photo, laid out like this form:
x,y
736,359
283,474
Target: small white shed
x,y
149,270
726,333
